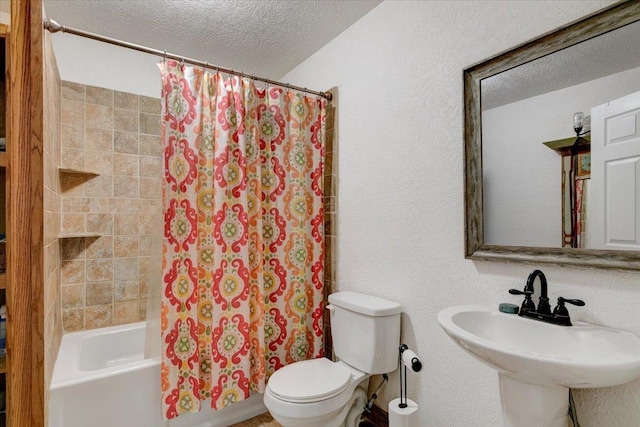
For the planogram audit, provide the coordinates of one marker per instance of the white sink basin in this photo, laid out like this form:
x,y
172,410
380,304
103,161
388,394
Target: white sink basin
x,y
548,357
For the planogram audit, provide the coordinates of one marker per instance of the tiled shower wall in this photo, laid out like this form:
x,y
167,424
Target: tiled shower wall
x,y
104,280
51,226
329,203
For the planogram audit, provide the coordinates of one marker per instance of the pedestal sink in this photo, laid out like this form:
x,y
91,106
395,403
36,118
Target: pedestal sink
x,y
538,362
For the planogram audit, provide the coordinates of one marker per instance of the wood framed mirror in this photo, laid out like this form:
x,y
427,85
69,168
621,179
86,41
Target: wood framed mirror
x,y
513,201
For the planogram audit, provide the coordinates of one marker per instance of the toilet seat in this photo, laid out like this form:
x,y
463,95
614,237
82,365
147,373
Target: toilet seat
x,y
309,381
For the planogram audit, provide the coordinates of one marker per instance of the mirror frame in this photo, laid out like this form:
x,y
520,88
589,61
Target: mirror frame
x,y
598,23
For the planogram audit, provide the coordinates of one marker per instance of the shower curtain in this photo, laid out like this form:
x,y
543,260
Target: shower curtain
x,y
243,225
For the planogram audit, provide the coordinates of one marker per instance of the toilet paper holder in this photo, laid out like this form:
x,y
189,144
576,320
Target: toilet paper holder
x,y
409,358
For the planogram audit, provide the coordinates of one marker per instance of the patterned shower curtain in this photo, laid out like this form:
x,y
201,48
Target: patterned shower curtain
x,y
243,226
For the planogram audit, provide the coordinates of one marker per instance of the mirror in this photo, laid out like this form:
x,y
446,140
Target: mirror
x,y
533,194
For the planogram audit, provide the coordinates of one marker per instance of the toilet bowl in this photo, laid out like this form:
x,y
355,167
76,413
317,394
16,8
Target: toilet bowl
x,y
322,393
316,393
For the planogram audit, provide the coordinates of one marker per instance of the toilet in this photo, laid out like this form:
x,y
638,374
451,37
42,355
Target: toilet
x,y
322,393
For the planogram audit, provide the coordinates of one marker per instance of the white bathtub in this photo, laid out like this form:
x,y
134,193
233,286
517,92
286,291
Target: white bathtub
x,y
101,379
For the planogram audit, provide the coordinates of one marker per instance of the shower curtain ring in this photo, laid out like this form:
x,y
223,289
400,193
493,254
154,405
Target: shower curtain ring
x,y
164,57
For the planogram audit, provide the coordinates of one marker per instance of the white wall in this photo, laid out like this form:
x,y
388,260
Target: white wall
x,y
99,64
522,193
400,216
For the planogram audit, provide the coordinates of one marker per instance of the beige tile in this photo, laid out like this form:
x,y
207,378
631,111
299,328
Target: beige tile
x,y
125,224
150,166
125,120
72,272
99,186
150,223
125,142
142,309
72,296
126,290
71,158
71,90
150,188
99,139
72,112
125,269
72,249
125,164
73,223
149,124
125,246
125,312
150,145
72,136
99,293
143,287
100,162
99,270
101,204
125,186
73,319
99,95
126,100
98,316
101,223
100,248
150,244
99,116
150,105
150,271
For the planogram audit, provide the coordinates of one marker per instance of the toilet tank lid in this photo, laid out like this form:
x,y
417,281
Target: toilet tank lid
x,y
365,304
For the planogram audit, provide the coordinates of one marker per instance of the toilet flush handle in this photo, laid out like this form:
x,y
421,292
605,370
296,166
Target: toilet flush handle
x,y
330,308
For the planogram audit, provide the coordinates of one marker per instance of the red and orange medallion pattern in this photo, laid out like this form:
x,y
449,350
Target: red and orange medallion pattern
x,y
243,225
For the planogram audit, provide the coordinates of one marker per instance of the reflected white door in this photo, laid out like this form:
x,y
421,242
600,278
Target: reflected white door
x,y
614,209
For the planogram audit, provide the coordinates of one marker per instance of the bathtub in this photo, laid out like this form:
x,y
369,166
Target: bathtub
x,y
101,379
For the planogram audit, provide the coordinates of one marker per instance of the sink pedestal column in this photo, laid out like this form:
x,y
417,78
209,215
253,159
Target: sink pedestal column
x,y
530,405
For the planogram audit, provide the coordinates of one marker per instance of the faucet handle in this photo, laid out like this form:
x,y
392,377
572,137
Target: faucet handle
x,y
561,310
527,304
577,302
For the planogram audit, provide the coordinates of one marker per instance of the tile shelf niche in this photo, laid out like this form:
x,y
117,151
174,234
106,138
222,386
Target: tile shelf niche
x,y
70,171
78,235
89,175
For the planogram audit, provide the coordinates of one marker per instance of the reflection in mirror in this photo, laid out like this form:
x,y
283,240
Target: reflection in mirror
x,y
517,208
538,190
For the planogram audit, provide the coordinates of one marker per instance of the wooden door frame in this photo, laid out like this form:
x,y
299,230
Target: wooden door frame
x,y
25,232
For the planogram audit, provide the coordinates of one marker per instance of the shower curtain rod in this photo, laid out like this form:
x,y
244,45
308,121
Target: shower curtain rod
x,y
53,27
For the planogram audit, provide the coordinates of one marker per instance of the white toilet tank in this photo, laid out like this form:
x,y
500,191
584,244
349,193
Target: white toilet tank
x,y
365,331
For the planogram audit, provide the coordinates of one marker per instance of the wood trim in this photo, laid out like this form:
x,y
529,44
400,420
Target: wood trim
x,y
25,275
611,18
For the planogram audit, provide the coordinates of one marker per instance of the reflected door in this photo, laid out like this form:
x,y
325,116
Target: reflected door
x,y
615,174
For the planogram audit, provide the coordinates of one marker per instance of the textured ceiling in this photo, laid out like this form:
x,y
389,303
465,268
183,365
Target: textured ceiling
x,y
262,37
608,54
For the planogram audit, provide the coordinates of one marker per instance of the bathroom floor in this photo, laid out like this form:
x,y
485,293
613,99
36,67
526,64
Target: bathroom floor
x,y
263,420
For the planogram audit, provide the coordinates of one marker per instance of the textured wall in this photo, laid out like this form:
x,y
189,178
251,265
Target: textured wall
x,y
104,281
400,216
